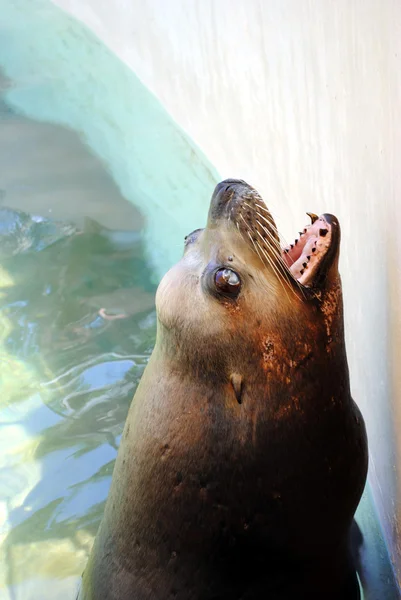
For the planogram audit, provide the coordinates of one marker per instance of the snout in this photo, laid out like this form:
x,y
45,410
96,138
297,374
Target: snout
x,y
224,196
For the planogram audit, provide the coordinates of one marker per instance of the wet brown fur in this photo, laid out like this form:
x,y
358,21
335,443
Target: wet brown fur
x,y
213,499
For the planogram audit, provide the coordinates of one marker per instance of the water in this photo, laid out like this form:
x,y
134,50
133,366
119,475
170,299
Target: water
x,y
62,73
77,325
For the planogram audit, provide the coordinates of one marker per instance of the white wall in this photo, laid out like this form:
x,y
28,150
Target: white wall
x,y
302,99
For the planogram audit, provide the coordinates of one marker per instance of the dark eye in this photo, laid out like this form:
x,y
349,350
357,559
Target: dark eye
x,y
228,282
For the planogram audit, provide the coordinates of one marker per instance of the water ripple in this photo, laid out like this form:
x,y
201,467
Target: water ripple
x,y
69,372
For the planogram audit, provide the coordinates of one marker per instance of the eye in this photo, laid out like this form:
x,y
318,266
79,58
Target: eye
x,y
228,282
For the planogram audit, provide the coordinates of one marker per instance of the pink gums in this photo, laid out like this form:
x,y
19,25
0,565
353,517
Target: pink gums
x,y
304,255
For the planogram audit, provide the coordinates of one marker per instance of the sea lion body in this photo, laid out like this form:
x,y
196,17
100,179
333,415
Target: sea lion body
x,y
243,456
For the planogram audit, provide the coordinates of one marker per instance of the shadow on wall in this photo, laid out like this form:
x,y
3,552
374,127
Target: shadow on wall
x,y
63,74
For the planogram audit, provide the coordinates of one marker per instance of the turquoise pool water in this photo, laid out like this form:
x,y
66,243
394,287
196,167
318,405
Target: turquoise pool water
x,y
62,73
70,375
77,324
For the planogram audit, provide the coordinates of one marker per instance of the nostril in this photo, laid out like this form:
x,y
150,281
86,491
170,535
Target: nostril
x,y
230,182
225,194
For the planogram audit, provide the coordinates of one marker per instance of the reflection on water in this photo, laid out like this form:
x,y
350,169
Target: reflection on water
x,y
86,367
77,325
61,73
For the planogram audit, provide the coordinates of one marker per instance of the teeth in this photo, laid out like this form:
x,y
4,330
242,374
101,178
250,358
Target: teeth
x,y
323,232
312,216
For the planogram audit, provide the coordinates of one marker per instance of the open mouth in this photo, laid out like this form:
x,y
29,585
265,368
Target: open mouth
x,y
307,260
309,255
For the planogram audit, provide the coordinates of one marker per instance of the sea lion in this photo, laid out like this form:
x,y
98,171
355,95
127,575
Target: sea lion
x,y
243,456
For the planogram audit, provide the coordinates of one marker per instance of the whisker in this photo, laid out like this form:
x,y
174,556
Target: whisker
x,y
266,256
271,225
282,241
262,207
280,268
273,240
248,229
286,270
281,263
279,275
242,217
254,245
269,234
271,222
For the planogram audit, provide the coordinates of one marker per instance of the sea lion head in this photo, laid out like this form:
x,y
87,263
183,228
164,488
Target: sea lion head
x,y
237,300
